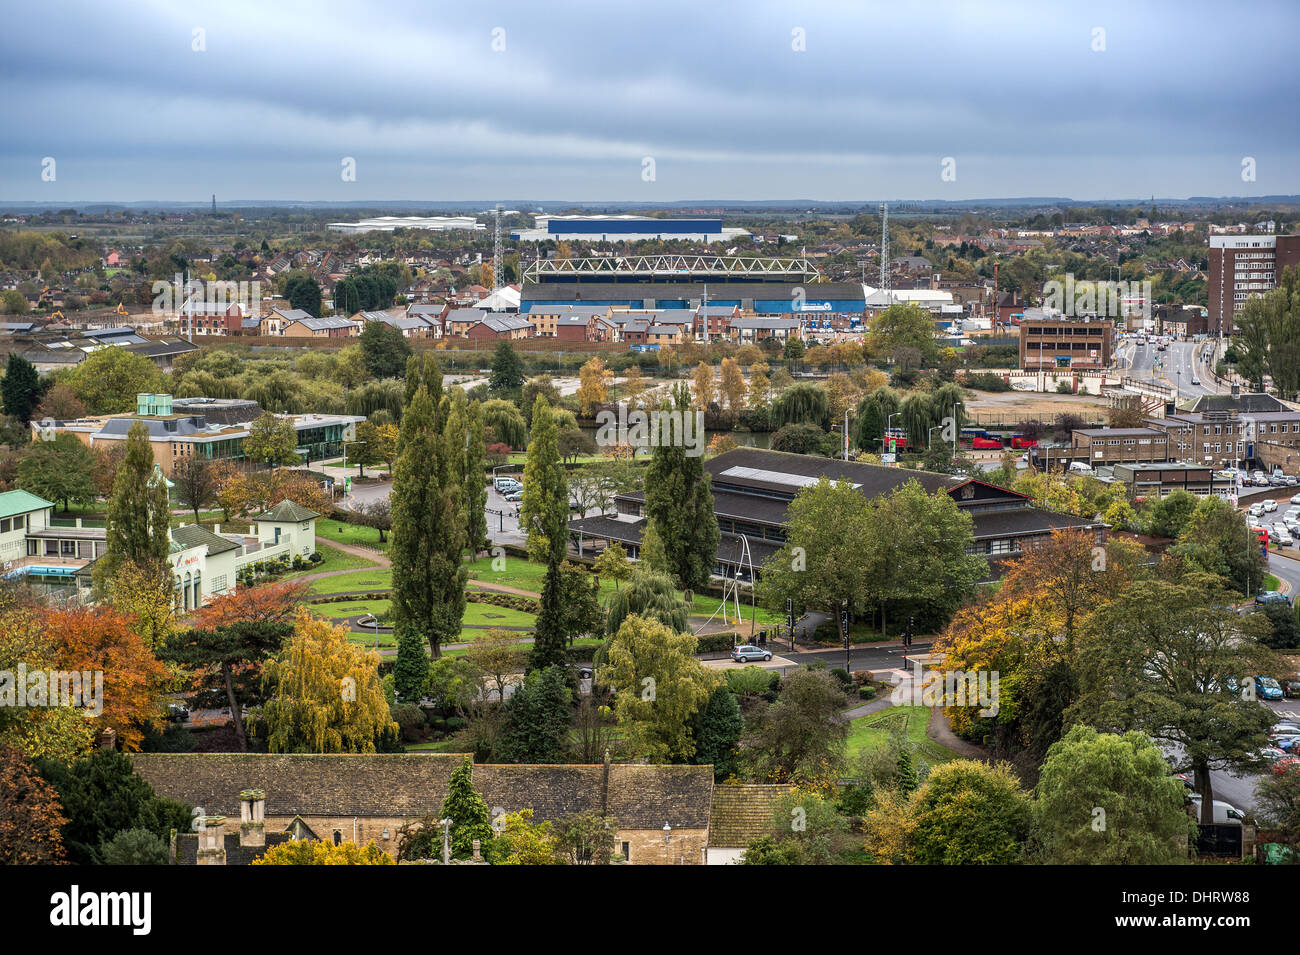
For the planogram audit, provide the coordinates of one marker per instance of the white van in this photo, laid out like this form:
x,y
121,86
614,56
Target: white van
x,y
1225,814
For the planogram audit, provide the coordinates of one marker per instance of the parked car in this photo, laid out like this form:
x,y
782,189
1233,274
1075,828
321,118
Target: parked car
x,y
1270,506
747,652
1295,498
1256,510
1291,688
1271,597
1281,536
1286,764
515,495
1286,726
1267,688
177,712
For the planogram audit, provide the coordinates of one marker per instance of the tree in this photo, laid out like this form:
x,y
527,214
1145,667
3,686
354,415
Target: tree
x,y
633,386
587,838
135,847
468,813
800,439
872,419
593,386
702,378
57,732
316,852
1161,658
1216,539
101,796
428,526
679,500
525,842
507,369
373,446
659,686
61,470
271,440
506,422
544,510
411,668
303,291
537,718
1104,799
650,595
31,816
147,594
384,349
1168,516
800,738
902,327
21,388
804,403
970,813
473,481
733,385
108,380
1277,803
495,655
613,564
138,519
233,637
196,481
717,728
324,694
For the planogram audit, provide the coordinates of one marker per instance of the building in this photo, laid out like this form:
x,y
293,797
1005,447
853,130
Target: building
x,y
574,323
1146,481
762,298
1242,266
212,428
335,326
625,228
752,490
746,330
459,321
426,223
1050,343
1116,445
1229,437
499,326
410,326
662,811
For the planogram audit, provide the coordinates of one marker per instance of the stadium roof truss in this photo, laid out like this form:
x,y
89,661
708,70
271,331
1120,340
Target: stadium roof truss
x,y
684,266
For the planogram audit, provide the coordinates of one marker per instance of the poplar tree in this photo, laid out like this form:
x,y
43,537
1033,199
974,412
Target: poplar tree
x,y
679,500
138,513
544,512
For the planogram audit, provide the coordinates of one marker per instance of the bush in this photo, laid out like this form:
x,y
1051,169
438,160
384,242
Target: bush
x,y
867,692
715,642
135,847
752,679
455,724
409,719
986,381
842,675
1063,388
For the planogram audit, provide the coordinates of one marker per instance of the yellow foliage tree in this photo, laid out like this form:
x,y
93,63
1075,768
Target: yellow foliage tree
x,y
316,852
325,693
593,387
704,390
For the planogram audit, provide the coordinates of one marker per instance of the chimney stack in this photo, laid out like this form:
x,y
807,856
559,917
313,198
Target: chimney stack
x,y
252,818
212,840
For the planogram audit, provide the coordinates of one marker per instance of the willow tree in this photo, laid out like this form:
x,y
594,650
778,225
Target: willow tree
x,y
804,403
324,692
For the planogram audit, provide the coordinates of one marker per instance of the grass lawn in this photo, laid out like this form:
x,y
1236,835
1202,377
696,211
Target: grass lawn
x,y
1271,582
376,578
491,616
332,530
873,732
335,559
350,608
518,572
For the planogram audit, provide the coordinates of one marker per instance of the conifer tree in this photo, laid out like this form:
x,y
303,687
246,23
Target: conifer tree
x,y
138,513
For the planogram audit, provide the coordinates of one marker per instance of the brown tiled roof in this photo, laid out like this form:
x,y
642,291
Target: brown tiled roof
x,y
743,813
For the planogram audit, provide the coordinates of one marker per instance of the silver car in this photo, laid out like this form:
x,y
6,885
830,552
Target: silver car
x,y
746,653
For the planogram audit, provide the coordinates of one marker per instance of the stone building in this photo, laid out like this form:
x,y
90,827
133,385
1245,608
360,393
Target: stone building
x,y
662,812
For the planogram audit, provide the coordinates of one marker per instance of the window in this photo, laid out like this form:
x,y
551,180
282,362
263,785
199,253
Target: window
x,y
338,837
20,522
627,852
4,526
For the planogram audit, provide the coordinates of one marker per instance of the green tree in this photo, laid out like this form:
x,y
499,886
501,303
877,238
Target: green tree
x,y
1215,539
970,813
659,686
428,537
1277,803
544,510
271,440
108,380
537,718
1104,799
411,668
902,327
651,595
679,500
303,291
613,564
135,847
800,737
20,388
102,796
61,470
716,729
468,813
507,369
1168,516
1161,659
804,403
139,514
384,349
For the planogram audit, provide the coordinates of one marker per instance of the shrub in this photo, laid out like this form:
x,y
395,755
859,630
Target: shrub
x,y
409,719
842,675
867,692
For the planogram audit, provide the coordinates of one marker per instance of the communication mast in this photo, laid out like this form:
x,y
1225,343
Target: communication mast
x,y
884,247
496,250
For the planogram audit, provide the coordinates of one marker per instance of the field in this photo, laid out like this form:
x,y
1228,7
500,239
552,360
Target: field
x,y
350,534
335,559
874,731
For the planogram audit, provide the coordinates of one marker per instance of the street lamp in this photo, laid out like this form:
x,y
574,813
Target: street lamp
x,y
889,426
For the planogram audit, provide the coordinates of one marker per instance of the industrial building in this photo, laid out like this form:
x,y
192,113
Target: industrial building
x,y
428,223
625,228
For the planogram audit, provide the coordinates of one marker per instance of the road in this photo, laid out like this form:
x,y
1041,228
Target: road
x,y
1177,365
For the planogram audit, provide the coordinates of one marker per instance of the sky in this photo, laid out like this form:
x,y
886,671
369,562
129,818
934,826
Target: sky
x,y
631,101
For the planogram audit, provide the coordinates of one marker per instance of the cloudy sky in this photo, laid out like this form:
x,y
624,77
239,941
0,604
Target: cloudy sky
x,y
647,101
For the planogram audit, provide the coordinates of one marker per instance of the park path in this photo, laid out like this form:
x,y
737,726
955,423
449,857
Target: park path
x,y
942,733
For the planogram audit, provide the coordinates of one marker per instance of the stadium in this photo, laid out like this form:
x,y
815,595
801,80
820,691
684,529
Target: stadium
x,y
625,228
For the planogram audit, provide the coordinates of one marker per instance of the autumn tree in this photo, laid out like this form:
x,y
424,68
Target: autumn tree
x,y
733,385
324,693
593,388
317,852
31,816
271,440
196,481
